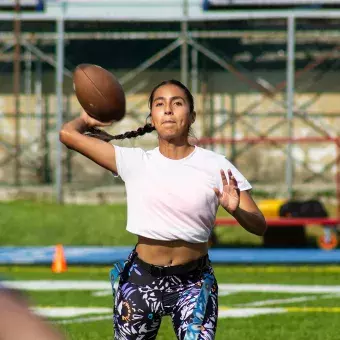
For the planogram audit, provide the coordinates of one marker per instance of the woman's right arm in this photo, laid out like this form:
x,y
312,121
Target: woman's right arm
x,y
72,135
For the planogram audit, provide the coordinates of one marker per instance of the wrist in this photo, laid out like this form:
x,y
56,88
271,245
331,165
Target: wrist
x,y
235,212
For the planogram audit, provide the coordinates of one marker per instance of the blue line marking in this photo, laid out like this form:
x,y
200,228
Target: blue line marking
x,y
109,255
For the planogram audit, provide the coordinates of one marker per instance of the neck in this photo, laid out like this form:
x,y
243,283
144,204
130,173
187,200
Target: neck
x,y
175,150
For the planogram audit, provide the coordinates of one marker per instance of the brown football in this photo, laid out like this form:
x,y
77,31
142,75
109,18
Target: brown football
x,y
99,92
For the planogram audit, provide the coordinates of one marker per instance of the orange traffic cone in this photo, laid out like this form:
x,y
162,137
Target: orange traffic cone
x,y
59,261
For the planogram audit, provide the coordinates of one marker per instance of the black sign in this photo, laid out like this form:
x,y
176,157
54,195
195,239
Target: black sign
x,y
269,4
25,5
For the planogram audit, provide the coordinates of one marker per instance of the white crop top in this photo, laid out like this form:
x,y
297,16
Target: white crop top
x,y
172,199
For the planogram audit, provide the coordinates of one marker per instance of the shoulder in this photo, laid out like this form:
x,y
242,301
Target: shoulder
x,y
213,156
129,150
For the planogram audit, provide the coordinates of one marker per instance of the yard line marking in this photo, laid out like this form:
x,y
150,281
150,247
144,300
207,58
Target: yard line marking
x,y
98,285
278,288
314,309
279,269
102,293
83,320
67,312
58,285
225,312
285,301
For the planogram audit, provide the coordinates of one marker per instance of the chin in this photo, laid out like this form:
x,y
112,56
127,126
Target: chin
x,y
168,136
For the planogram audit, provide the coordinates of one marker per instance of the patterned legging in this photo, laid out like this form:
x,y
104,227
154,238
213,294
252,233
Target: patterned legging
x,y
141,301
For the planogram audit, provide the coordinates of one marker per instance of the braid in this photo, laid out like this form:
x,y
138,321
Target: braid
x,y
147,128
106,137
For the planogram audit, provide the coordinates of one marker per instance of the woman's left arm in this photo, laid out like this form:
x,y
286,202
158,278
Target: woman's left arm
x,y
249,215
241,205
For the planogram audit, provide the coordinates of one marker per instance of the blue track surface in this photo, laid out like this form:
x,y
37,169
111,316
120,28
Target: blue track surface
x,y
108,255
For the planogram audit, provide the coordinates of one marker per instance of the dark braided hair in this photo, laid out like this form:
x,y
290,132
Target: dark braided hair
x,y
106,137
147,128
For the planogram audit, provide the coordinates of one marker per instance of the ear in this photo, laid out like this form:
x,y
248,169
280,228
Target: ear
x,y
149,117
151,121
192,117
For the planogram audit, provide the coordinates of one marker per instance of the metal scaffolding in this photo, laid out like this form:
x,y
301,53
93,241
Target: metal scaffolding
x,y
188,40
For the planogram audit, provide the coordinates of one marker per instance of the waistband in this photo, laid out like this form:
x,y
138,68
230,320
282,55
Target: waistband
x,y
181,269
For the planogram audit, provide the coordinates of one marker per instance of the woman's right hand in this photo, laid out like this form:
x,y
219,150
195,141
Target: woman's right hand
x,y
92,122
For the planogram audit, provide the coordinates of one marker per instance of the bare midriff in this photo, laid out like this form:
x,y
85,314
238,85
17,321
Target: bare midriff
x,y
169,253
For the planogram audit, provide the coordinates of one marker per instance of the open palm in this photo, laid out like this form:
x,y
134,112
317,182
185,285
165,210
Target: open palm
x,y
229,198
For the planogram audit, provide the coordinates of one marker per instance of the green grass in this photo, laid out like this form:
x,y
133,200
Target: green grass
x,y
303,321
39,224
25,223
306,275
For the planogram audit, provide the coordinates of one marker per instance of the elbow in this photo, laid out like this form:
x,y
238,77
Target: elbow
x,y
64,137
262,228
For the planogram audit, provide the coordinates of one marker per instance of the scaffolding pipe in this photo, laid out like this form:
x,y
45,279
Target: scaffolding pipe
x,y
194,71
207,16
47,58
147,63
184,46
249,37
59,97
38,96
268,140
290,102
28,81
227,66
16,91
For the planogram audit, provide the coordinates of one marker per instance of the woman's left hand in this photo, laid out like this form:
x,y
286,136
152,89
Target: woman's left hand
x,y
229,198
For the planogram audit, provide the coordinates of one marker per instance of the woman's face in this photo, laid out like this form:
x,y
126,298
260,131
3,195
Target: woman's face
x,y
170,112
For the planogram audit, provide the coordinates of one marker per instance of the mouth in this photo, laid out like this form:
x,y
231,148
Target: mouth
x,y
168,122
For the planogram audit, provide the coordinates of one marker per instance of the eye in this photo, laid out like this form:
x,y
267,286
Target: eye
x,y
158,104
178,103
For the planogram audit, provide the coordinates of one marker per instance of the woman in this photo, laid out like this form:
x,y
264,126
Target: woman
x,y
173,193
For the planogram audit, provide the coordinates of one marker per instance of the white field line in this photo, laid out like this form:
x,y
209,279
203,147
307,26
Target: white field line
x,y
311,289
286,301
58,285
68,285
248,312
68,312
83,320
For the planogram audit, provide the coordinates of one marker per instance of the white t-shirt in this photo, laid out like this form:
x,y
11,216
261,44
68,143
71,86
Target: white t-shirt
x,y
173,199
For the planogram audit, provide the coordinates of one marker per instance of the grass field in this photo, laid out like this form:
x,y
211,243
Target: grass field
x,y
80,225
295,302
255,303
26,223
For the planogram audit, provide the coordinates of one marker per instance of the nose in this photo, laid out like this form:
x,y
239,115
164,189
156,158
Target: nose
x,y
168,110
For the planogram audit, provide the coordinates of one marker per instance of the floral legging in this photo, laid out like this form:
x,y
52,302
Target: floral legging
x,y
142,300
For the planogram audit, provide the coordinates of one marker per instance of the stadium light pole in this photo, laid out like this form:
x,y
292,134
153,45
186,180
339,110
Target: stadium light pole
x,y
59,108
